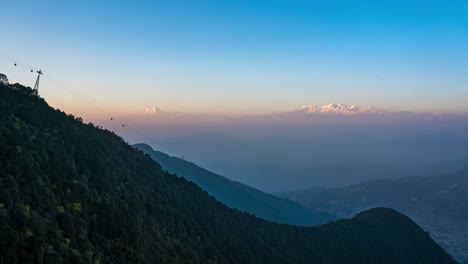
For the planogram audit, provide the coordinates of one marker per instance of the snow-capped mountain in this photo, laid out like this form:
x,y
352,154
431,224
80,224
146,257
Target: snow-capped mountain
x,y
337,109
153,111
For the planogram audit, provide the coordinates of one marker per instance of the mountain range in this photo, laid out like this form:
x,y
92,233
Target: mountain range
x,y
338,109
237,195
312,109
71,192
437,203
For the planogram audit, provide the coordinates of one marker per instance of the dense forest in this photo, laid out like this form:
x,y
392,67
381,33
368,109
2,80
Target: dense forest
x,y
75,193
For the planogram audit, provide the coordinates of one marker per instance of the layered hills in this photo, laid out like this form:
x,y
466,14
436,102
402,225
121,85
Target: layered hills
x,y
237,195
72,192
437,203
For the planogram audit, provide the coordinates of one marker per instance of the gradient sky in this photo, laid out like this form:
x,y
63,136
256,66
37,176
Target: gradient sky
x,y
240,57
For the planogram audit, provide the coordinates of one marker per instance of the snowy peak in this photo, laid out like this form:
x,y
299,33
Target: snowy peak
x,y
337,109
156,112
153,111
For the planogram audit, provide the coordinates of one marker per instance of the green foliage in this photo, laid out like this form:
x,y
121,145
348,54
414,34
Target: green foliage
x,y
73,193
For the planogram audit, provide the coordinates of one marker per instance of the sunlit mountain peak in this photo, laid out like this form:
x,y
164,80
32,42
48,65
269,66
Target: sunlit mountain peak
x,y
153,111
338,109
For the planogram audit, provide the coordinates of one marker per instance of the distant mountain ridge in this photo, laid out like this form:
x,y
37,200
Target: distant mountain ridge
x,y
338,109
237,195
74,193
438,203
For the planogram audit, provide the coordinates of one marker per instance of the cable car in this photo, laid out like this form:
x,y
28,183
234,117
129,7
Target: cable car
x,y
15,64
112,118
123,125
31,70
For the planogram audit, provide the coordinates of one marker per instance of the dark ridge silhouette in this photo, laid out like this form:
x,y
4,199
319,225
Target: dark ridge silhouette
x,y
73,193
437,203
237,195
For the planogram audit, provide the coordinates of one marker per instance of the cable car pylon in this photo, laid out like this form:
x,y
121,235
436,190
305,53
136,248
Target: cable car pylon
x,y
36,86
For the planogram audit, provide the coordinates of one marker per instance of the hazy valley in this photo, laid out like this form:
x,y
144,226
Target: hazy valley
x,y
75,193
233,132
437,203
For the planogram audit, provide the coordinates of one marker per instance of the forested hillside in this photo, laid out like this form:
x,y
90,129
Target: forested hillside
x,y
437,203
237,195
74,193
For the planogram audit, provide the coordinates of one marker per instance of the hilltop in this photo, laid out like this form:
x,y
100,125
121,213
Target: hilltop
x,y
437,203
74,193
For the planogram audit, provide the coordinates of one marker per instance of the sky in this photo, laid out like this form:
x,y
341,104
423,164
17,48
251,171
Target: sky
x,y
238,57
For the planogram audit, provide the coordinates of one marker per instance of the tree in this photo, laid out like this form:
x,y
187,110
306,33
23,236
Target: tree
x,y
3,79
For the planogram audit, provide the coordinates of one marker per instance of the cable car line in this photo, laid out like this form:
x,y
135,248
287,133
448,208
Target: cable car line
x,y
72,91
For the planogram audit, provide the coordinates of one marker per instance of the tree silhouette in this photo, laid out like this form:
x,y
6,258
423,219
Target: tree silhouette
x,y
3,79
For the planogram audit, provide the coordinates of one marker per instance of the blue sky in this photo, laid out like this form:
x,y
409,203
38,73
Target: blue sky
x,y
241,57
